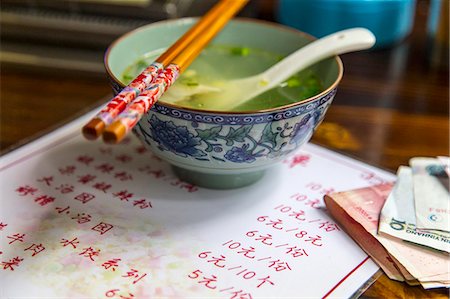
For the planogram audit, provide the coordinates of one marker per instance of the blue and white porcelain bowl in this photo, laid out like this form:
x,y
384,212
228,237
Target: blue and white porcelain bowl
x,y
225,150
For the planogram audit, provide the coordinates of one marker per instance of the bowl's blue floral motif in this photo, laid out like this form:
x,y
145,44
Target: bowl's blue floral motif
x,y
240,154
174,138
239,139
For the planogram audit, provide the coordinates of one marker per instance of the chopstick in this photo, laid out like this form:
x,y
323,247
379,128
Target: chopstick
x,y
95,127
126,120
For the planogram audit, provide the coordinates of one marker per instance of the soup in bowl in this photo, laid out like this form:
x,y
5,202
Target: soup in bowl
x,y
232,148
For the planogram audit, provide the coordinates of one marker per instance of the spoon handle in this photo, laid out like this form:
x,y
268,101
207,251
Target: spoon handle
x,y
334,44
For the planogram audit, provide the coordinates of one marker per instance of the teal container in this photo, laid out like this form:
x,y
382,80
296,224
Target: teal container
x,y
389,20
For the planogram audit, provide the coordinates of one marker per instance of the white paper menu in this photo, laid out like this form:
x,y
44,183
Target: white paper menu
x,y
82,219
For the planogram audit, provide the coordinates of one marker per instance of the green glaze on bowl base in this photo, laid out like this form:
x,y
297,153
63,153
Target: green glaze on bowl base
x,y
218,181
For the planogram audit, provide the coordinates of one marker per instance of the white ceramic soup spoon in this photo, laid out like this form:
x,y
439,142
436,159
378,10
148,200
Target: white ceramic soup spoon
x,y
234,93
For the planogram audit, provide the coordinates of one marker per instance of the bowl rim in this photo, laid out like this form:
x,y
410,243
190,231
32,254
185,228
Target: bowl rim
x,y
239,20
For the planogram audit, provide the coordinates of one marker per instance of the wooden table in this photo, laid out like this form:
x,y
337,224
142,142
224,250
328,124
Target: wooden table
x,y
392,104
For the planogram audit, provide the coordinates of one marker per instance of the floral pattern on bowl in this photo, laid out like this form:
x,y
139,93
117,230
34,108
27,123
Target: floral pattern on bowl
x,y
251,139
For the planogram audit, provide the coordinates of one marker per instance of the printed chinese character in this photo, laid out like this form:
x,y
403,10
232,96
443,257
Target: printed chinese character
x,y
111,264
68,170
134,274
264,239
296,252
16,237
279,266
329,226
208,281
313,203
247,252
315,240
26,190
84,179
264,280
102,186
12,263
300,159
217,260
46,180
102,227
36,248
189,187
105,168
300,215
74,242
82,218
85,159
277,224
90,253
44,199
65,188
123,195
123,176
84,197
142,203
184,185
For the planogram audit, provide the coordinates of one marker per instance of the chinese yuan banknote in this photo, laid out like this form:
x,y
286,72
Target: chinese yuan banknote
x,y
398,217
364,239
429,267
431,194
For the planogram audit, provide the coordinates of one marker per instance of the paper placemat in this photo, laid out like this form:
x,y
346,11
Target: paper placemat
x,y
82,219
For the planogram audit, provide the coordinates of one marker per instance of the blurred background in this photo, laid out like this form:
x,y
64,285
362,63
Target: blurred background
x,y
72,35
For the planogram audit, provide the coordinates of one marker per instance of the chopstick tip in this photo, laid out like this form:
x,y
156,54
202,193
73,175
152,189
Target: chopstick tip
x,y
114,133
93,129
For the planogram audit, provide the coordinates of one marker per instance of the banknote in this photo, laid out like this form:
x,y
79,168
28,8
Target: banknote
x,y
391,267
431,194
398,216
365,240
364,206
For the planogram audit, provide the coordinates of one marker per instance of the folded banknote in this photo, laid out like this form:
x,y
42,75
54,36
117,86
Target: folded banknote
x,y
398,216
363,207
